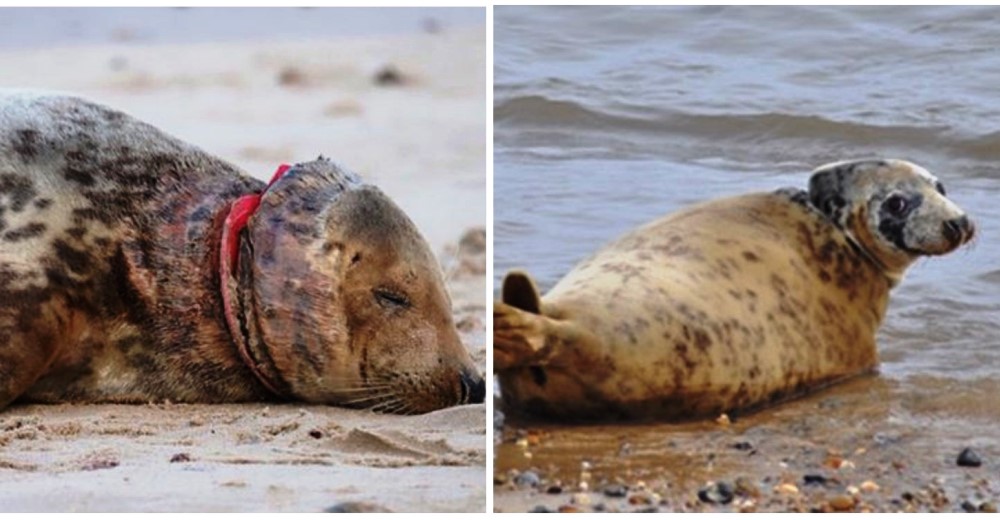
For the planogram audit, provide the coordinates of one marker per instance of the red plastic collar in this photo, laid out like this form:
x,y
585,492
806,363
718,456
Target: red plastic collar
x,y
239,213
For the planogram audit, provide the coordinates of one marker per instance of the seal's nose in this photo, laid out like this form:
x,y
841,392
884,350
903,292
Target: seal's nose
x,y
958,230
473,388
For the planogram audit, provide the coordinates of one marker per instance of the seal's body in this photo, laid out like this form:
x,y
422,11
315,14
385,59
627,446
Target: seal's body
x,y
111,289
727,305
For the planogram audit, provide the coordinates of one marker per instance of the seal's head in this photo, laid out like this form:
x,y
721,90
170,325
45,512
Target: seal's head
x,y
342,301
894,210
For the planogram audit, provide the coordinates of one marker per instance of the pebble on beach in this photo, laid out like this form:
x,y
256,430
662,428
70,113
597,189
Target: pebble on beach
x,y
969,459
716,493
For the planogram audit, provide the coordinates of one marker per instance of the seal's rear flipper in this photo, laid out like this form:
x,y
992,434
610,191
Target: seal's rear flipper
x,y
519,291
518,327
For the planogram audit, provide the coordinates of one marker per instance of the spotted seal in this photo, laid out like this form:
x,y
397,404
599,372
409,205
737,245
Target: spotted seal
x,y
135,267
727,305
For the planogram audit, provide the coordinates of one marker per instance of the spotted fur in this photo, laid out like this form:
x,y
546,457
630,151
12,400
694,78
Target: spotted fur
x,y
725,306
109,274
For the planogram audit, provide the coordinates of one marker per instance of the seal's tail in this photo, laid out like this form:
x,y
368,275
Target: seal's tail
x,y
519,329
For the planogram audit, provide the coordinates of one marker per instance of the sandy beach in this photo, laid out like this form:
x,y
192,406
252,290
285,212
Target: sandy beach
x,y
407,113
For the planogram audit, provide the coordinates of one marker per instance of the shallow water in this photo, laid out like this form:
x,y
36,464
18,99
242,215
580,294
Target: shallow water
x,y
609,117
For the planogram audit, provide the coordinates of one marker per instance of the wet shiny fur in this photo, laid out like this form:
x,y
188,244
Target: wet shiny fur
x,y
727,305
109,282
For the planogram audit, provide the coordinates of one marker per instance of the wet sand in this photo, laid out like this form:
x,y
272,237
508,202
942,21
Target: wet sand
x,y
866,445
407,113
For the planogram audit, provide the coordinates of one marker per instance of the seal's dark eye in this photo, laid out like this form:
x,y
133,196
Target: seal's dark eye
x,y
896,205
391,299
940,188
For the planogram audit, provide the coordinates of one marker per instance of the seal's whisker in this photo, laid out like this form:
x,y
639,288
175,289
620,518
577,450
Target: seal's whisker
x,y
372,397
382,407
354,389
398,407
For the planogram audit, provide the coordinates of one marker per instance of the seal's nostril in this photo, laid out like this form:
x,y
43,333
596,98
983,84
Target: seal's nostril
x,y
463,389
473,388
951,231
958,229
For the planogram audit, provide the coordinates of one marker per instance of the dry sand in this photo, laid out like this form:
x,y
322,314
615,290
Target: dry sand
x,y
421,139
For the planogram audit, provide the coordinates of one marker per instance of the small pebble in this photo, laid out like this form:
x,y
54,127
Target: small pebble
x,y
814,480
642,498
569,509
723,420
180,457
787,489
969,459
842,503
869,486
988,507
746,488
716,493
315,434
554,489
615,491
742,446
527,479
581,499
388,75
356,507
541,509
291,76
969,507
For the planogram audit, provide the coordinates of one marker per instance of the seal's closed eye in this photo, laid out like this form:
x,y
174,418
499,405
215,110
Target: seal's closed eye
x,y
391,299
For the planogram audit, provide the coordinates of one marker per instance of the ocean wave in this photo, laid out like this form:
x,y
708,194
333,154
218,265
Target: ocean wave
x,y
536,112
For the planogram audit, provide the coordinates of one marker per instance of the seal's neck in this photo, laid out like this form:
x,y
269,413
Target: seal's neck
x,y
229,262
891,276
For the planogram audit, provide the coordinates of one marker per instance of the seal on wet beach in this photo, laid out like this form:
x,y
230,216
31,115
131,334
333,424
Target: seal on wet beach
x,y
727,305
135,267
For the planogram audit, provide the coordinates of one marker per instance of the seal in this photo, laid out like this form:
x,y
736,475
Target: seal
x,y
135,267
728,305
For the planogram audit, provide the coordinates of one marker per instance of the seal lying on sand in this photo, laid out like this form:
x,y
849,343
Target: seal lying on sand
x,y
727,305
136,268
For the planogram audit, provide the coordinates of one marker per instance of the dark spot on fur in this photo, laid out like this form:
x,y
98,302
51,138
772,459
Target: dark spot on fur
x,y
76,260
43,203
26,144
750,256
201,214
77,232
79,176
24,232
701,340
826,251
19,188
892,224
